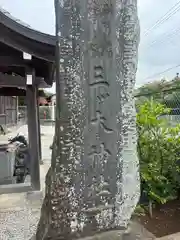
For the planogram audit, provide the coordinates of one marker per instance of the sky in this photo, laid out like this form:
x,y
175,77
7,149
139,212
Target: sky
x,y
159,45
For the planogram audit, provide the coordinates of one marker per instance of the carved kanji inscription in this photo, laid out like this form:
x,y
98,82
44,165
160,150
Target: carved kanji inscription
x,y
99,156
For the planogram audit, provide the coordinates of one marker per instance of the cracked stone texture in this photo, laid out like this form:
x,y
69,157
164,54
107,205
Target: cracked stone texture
x,y
19,213
94,178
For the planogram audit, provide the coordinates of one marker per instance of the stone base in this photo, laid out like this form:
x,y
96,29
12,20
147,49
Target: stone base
x,y
134,232
111,235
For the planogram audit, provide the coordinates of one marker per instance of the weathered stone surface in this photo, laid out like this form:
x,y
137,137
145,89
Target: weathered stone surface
x,y
127,33
93,182
134,232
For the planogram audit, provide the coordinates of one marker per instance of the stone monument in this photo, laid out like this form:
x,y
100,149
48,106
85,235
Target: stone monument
x,y
92,186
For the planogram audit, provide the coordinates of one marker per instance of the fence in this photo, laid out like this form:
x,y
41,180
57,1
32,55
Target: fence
x,y
22,115
46,113
169,97
8,110
18,116
9,117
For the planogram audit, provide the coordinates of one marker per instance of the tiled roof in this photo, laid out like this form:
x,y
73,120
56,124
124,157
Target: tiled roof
x,y
2,10
17,25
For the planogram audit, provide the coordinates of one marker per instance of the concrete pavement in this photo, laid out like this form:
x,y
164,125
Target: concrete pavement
x,y
19,213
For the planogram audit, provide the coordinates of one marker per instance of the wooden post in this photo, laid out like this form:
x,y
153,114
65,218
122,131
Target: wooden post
x,y
31,94
17,110
39,131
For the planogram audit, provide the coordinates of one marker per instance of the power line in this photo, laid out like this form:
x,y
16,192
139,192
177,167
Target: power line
x,y
167,36
165,17
171,12
164,37
159,73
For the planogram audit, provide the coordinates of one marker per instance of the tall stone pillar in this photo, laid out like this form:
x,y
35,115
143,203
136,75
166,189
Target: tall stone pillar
x,y
128,36
93,180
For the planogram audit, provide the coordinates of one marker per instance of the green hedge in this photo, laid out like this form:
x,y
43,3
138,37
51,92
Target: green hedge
x,y
159,153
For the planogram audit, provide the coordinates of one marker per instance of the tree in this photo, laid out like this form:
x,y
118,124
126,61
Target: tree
x,y
163,91
93,183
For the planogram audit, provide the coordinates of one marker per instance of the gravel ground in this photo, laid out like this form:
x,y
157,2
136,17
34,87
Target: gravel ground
x,y
18,224
18,218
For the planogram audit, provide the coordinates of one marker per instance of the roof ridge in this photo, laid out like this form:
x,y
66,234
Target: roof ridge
x,y
8,14
18,26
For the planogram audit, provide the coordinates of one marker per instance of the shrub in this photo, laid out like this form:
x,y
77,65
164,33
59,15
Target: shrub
x,y
159,153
